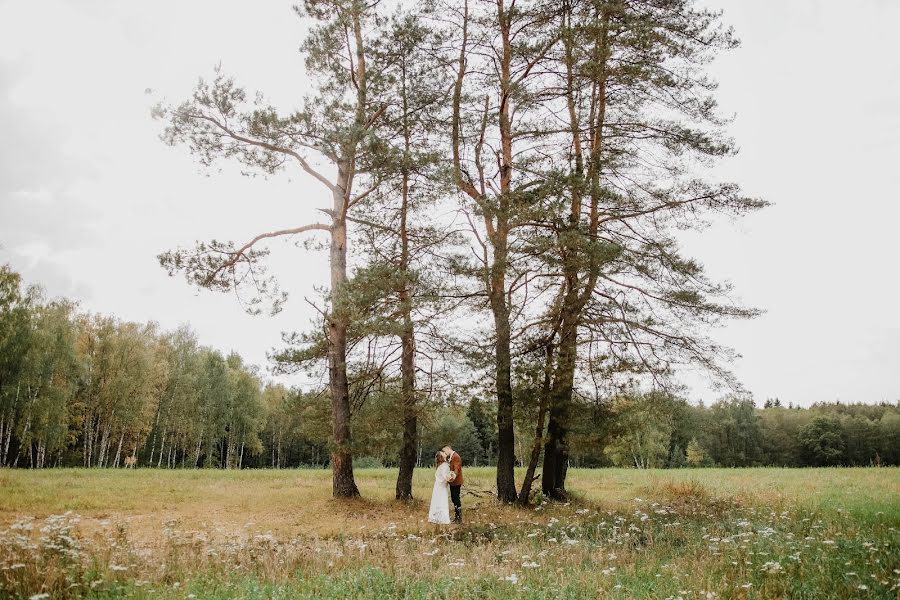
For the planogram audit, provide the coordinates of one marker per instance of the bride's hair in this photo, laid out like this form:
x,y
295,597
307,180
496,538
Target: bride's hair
x,y
439,459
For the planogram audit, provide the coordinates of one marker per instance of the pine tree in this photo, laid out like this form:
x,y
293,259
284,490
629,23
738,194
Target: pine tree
x,y
336,125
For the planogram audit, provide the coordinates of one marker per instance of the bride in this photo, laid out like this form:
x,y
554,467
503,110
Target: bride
x,y
440,506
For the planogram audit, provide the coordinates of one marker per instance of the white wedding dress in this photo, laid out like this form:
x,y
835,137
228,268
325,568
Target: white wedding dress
x,y
440,505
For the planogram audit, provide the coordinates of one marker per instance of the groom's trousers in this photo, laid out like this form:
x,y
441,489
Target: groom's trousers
x,y
454,496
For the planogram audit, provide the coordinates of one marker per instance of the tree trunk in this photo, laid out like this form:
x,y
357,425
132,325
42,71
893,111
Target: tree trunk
x,y
41,447
343,483
155,431
87,452
407,339
410,417
119,451
506,451
530,477
197,454
162,447
506,458
24,436
556,450
104,442
227,443
2,436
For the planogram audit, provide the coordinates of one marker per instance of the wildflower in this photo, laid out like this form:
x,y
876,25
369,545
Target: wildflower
x,y
118,568
39,596
862,587
513,579
771,567
746,586
530,565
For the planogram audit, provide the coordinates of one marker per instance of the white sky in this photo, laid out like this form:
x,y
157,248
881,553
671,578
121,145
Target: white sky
x,y
89,196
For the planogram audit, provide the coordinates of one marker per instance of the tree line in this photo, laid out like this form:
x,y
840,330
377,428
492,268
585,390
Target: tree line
x,y
89,390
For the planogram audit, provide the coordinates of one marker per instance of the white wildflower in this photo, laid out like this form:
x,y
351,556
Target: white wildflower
x,y
771,567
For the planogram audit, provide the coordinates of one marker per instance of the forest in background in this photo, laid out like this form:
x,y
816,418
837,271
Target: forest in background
x,y
87,390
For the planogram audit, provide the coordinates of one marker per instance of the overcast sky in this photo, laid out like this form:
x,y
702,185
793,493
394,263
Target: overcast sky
x,y
89,195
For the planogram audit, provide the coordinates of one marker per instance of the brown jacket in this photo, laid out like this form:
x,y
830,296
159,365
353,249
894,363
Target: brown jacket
x,y
456,467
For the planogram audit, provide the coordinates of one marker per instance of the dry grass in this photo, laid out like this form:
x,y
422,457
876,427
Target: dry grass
x,y
701,533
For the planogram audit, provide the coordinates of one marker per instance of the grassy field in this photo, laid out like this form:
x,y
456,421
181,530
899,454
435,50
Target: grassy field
x,y
710,533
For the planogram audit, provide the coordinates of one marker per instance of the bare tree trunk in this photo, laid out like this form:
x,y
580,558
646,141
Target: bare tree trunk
x,y
2,432
407,339
119,451
506,456
530,477
197,453
162,447
104,441
39,459
155,431
556,450
227,443
24,435
10,426
88,434
343,482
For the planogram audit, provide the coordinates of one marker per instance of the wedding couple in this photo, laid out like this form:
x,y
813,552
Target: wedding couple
x,y
448,475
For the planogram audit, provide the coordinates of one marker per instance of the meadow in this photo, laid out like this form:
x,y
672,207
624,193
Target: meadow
x,y
686,533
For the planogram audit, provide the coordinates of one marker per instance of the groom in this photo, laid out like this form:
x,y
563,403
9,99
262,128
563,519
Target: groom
x,y
456,482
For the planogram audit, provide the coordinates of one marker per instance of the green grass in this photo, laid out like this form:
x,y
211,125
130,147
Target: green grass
x,y
709,533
